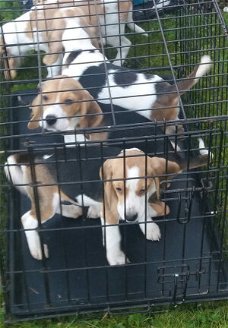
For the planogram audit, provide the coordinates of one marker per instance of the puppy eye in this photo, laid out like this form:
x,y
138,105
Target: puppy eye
x,y
142,191
68,101
45,97
118,189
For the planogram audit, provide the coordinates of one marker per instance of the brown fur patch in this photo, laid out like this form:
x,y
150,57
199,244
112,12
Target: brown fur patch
x,y
41,188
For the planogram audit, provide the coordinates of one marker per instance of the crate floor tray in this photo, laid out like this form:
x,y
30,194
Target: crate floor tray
x,y
76,277
184,265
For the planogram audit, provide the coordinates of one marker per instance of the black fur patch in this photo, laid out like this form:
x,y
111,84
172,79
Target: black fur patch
x,y
125,78
72,55
94,78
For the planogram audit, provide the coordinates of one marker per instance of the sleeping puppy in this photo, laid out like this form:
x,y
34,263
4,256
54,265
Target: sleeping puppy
x,y
41,29
63,105
126,182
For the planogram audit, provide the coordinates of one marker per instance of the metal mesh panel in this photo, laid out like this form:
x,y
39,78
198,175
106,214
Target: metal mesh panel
x,y
63,163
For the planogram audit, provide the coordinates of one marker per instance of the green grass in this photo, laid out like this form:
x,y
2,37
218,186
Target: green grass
x,y
211,315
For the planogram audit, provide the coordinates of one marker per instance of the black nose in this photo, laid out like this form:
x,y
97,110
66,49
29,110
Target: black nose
x,y
131,218
51,119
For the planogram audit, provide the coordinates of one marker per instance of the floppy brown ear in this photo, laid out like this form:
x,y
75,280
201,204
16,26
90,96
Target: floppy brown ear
x,y
92,114
162,166
110,199
160,207
36,114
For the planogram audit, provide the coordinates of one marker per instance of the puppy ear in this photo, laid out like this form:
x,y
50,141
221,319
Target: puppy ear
x,y
110,199
161,166
36,114
161,208
92,114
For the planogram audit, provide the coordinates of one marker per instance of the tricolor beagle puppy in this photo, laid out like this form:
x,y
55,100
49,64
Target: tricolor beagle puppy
x,y
118,184
150,95
41,29
62,105
110,16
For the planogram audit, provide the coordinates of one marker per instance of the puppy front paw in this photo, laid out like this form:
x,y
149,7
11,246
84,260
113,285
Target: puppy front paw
x,y
117,258
94,212
36,252
151,231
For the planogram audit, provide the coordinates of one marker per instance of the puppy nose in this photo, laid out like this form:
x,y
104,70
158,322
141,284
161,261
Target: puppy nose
x,y
131,218
51,119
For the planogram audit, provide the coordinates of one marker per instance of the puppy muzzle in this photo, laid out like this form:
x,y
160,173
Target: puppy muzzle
x,y
131,217
51,120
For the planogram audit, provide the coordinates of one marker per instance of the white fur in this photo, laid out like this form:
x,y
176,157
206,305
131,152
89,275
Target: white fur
x,y
150,229
19,45
205,65
71,139
112,240
94,210
30,224
14,173
139,96
203,150
62,121
112,30
70,211
112,27
134,204
161,4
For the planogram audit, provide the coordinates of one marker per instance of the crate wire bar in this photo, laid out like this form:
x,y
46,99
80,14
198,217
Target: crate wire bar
x,y
189,263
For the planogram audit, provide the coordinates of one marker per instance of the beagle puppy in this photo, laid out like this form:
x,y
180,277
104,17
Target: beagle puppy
x,y
62,105
129,190
110,16
150,95
41,29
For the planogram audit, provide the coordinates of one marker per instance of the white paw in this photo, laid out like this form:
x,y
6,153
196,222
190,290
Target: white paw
x,y
117,258
71,211
36,252
94,212
152,231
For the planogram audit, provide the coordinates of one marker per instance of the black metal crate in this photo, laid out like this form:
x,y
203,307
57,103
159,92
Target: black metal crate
x,y
189,263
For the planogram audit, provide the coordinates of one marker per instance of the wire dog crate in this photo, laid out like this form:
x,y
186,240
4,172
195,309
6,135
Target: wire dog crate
x,y
189,263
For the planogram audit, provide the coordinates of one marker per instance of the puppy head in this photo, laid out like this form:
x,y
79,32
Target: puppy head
x,y
62,104
130,180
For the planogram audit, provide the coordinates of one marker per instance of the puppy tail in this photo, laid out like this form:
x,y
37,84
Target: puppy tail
x,y
194,162
132,26
135,28
200,70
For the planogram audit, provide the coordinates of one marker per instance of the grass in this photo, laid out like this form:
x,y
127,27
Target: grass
x,y
211,315
208,315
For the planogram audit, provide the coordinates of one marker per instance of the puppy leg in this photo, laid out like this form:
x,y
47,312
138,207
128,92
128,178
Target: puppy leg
x,y
112,241
53,68
123,45
70,211
94,210
115,37
30,224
